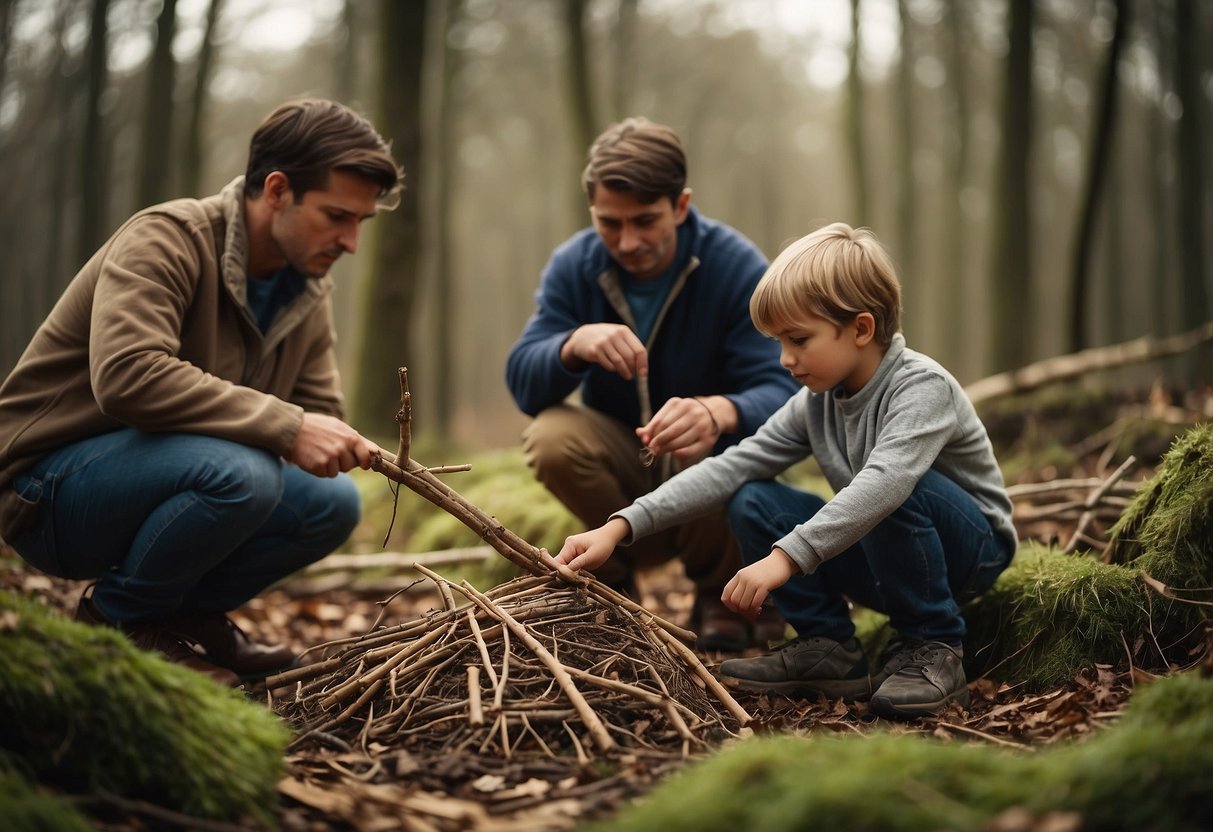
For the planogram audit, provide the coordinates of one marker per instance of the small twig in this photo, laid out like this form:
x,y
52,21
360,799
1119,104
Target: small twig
x,y
1093,500
582,759
474,626
964,729
444,588
505,668
176,820
475,711
405,417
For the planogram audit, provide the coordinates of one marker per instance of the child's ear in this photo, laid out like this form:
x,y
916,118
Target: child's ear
x,y
865,328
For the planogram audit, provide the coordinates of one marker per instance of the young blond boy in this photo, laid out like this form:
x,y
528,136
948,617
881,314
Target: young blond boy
x,y
919,523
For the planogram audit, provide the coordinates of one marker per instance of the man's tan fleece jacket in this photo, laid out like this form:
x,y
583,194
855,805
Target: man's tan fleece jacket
x,y
154,333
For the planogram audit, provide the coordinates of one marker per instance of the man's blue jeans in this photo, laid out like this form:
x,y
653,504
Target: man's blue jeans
x,y
178,521
916,566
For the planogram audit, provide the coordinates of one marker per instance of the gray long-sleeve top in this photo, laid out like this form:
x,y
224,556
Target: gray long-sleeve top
x,y
873,447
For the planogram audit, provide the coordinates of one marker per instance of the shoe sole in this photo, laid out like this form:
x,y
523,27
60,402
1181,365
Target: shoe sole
x,y
857,690
912,710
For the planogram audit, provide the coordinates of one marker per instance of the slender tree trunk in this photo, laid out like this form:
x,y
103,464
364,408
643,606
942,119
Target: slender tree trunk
x,y
390,288
12,291
1011,268
6,35
94,155
444,278
1120,323
907,227
581,105
192,162
625,57
1157,174
154,172
953,295
1192,145
345,72
1103,130
856,142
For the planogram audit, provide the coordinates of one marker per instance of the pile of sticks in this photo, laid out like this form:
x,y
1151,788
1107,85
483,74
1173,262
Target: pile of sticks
x,y
535,664
553,662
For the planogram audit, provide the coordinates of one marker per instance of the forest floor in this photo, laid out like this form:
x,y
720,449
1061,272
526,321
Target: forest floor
x,y
349,788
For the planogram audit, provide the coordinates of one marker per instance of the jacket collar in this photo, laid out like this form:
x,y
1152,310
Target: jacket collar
x,y
234,268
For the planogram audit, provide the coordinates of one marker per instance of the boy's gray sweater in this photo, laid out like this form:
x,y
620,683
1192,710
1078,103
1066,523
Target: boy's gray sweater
x,y
873,447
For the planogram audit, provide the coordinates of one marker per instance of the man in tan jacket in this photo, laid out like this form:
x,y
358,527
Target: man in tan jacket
x,y
174,429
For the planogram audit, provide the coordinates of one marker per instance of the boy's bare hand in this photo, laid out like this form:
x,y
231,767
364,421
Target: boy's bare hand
x,y
589,550
614,347
326,446
747,590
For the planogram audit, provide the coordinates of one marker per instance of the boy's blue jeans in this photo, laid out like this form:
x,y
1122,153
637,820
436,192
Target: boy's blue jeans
x,y
917,566
178,521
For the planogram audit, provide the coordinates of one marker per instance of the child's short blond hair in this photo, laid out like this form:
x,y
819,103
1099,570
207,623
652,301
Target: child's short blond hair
x,y
834,273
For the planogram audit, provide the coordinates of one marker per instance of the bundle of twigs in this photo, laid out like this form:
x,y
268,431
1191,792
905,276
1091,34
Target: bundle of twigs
x,y
1079,510
553,662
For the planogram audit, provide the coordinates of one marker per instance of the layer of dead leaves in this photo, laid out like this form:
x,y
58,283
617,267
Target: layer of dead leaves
x,y
371,788
345,787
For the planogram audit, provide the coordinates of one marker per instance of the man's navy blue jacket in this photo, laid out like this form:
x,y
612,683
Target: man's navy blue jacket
x,y
704,344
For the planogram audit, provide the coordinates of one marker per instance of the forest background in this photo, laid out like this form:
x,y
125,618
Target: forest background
x,y
1037,168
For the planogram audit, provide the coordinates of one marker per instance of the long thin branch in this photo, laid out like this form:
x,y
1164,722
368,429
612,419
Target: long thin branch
x,y
1064,367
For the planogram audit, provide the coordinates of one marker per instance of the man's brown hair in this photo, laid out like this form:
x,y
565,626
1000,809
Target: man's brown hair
x,y
308,138
640,157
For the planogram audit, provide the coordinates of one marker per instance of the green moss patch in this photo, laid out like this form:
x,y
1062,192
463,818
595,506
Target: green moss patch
x,y
86,712
1148,772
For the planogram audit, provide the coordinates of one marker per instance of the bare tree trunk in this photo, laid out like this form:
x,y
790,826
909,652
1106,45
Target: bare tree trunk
x,y
952,296
581,105
1194,296
154,171
444,288
1011,267
1164,317
1103,130
1121,322
855,129
6,35
345,72
625,57
391,286
907,228
94,146
191,171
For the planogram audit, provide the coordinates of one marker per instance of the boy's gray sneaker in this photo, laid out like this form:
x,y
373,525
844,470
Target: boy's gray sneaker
x,y
920,679
810,665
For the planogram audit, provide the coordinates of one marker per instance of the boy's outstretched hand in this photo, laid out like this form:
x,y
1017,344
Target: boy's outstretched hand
x,y
747,590
589,550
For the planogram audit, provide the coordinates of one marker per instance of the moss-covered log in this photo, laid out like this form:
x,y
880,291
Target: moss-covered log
x,y
85,711
1052,614
1167,530
1148,772
24,809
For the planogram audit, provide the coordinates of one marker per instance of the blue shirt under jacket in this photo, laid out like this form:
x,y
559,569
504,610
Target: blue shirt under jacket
x,y
702,344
